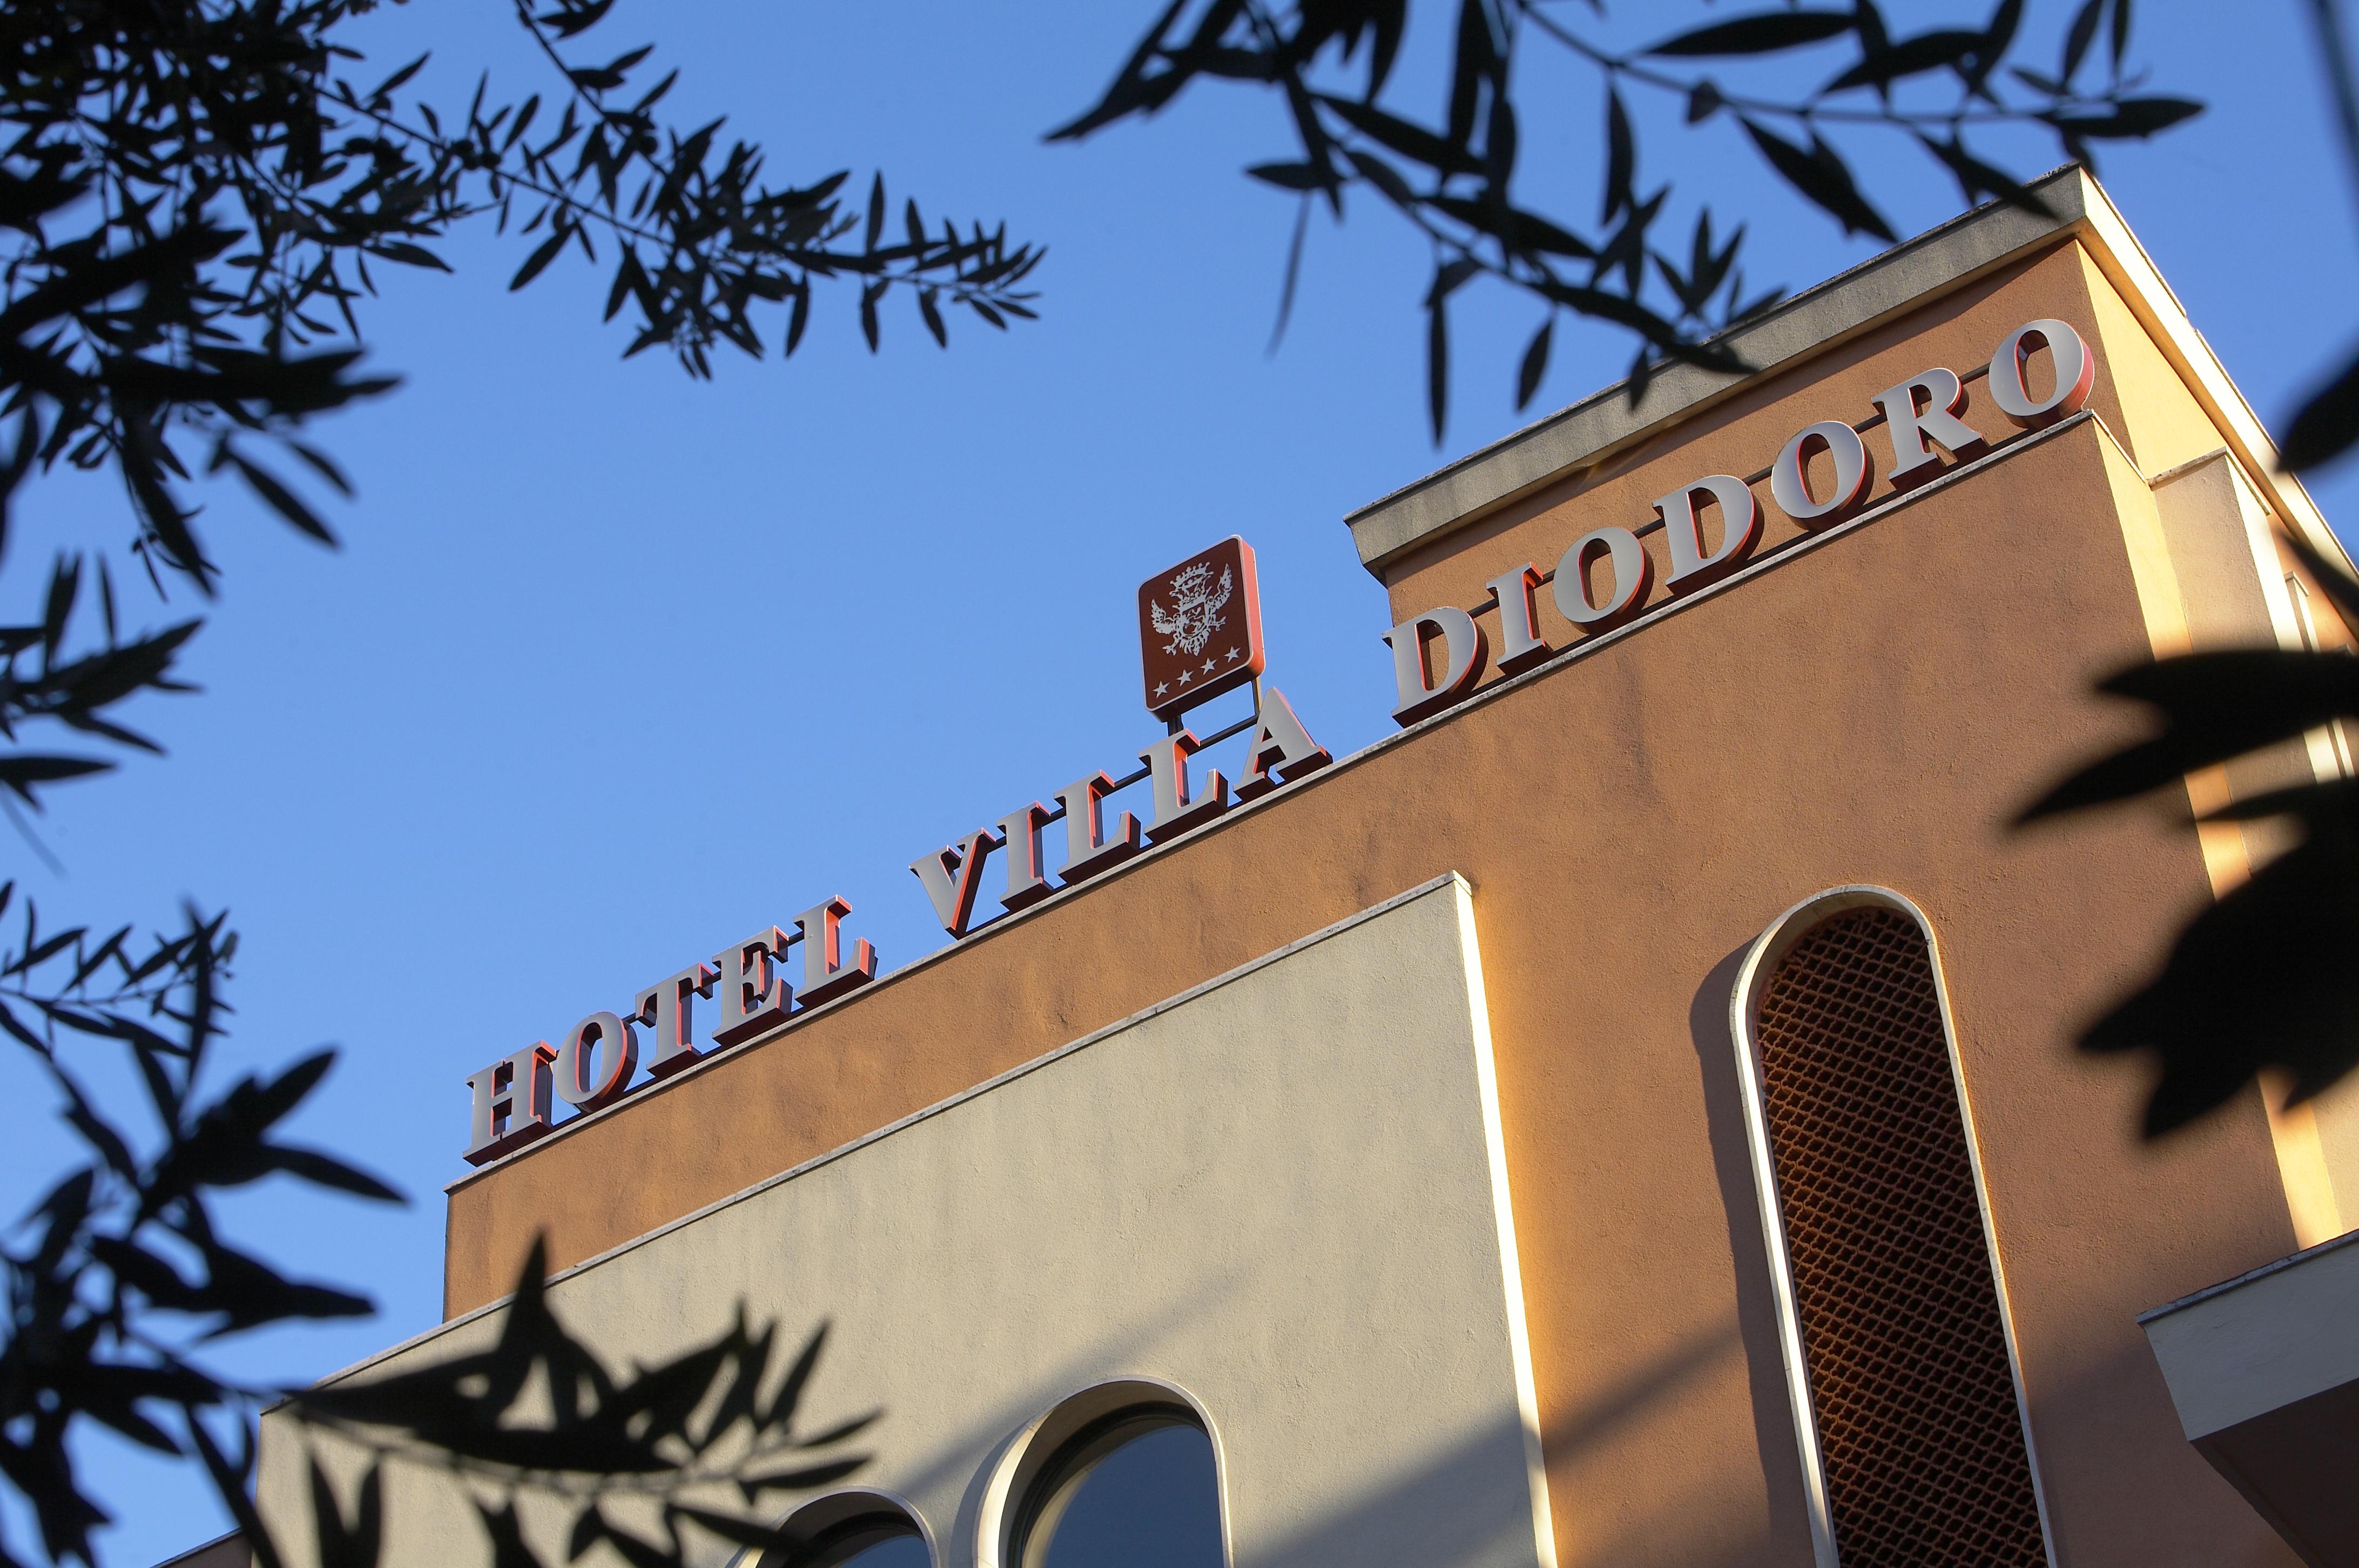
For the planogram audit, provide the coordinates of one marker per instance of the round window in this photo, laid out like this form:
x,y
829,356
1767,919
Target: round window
x,y
1135,1489
890,1543
835,1538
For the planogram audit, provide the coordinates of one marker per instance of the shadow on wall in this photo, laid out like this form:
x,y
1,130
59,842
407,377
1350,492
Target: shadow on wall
x,y
1452,1509
1447,1511
1699,1525
1787,1538
1454,1505
1705,1525
2112,1406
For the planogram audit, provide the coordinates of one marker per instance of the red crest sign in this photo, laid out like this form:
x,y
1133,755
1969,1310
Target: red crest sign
x,y
1199,628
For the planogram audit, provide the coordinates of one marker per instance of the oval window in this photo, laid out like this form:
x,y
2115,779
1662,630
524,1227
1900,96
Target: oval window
x,y
1136,1489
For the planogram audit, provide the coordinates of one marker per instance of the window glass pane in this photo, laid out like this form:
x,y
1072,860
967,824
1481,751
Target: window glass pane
x,y
899,1551
876,1539
1148,1499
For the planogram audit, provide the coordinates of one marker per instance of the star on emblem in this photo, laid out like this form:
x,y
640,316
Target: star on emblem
x,y
1162,687
1185,676
1234,655
1210,666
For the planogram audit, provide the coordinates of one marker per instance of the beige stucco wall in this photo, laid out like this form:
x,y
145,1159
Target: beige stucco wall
x,y
2335,1113
2223,557
2264,1371
1283,1194
2249,1347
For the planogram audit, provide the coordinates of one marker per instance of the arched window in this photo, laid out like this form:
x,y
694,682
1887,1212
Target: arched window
x,y
1905,1402
1114,1481
862,1527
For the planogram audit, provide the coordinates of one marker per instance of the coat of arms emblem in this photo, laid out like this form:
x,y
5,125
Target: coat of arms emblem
x,y
1195,608
1199,628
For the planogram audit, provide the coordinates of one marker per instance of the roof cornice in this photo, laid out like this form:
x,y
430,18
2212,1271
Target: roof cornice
x,y
1937,262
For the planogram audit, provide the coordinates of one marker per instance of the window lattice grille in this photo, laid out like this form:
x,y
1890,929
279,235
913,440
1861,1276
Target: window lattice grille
x,y
1918,1423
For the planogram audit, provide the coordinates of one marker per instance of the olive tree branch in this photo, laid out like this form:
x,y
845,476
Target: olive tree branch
x,y
1452,177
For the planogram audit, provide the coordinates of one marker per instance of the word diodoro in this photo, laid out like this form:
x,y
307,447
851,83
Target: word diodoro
x,y
1919,416
1201,629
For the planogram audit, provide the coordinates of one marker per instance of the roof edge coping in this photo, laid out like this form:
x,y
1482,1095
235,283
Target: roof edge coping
x,y
1859,300
1818,319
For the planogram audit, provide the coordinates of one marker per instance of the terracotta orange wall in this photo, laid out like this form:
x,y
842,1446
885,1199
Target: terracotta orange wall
x,y
1871,710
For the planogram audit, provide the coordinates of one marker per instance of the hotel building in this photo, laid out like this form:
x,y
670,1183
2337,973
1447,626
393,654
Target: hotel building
x,y
1627,1117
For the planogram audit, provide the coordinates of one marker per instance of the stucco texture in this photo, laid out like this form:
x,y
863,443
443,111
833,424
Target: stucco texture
x,y
1278,1195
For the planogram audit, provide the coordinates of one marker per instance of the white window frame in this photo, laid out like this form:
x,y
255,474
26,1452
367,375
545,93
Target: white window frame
x,y
843,1503
1768,951
1026,1455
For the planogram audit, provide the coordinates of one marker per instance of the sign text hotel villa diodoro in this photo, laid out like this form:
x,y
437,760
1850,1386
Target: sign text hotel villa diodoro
x,y
1199,626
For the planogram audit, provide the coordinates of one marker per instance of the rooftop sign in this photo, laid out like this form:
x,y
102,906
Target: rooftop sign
x,y
1200,636
1199,628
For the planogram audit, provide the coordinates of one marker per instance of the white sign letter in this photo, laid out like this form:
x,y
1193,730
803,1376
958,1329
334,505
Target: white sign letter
x,y
953,877
1520,643
825,974
1028,884
1088,850
603,1043
2076,373
1740,529
1175,810
1790,476
1634,574
668,1007
511,1103
1927,405
1282,749
1463,653
753,997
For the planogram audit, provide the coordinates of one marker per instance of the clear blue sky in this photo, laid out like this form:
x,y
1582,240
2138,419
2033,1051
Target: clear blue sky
x,y
615,667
